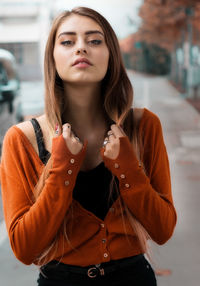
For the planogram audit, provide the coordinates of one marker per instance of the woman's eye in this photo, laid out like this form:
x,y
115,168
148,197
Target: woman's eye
x,y
66,43
95,42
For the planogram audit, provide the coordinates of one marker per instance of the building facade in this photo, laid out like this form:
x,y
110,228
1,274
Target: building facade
x,y
24,27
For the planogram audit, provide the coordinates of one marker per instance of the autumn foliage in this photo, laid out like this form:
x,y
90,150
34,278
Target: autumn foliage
x,y
165,22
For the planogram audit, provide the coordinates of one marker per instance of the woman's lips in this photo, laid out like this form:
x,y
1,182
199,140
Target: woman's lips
x,y
82,65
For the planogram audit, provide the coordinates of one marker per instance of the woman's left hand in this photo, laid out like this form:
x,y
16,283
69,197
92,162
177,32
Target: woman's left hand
x,y
112,146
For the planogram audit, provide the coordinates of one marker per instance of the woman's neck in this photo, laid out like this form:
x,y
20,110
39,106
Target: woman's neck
x,y
84,109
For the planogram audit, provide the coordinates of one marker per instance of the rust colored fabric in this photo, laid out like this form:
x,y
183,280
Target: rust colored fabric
x,y
32,226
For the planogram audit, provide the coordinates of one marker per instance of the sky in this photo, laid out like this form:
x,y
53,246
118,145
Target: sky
x,y
115,11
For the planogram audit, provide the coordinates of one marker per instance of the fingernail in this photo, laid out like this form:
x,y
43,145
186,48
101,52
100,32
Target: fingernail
x,y
57,128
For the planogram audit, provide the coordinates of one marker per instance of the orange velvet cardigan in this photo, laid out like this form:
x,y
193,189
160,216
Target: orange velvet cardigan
x,y
32,225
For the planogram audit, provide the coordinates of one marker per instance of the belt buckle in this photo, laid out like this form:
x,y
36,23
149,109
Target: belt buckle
x,y
94,271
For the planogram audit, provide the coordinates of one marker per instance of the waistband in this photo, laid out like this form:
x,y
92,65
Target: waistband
x,y
54,267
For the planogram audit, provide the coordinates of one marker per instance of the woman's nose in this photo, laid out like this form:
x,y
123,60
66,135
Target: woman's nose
x,y
81,46
81,51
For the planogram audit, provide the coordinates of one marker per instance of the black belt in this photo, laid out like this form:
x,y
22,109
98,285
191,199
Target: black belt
x,y
92,271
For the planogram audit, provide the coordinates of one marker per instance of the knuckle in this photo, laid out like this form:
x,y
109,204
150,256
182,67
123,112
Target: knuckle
x,y
109,149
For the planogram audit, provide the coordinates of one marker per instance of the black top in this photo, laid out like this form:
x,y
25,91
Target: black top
x,y
94,199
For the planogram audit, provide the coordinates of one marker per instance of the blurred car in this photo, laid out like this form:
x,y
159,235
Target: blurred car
x,y
31,102
9,92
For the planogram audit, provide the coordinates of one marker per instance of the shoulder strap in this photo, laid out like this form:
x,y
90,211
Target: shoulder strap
x,y
43,153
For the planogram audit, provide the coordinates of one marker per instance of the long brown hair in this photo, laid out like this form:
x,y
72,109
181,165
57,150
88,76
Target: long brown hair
x,y
117,99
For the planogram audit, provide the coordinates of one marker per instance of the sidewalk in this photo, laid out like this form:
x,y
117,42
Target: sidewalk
x,y
181,128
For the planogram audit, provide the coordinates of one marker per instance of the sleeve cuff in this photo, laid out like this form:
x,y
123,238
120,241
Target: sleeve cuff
x,y
65,165
62,155
126,166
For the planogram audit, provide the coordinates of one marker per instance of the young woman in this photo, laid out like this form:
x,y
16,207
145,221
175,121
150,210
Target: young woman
x,y
86,184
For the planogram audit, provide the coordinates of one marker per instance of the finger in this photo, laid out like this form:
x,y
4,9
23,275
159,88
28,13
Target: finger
x,y
117,131
57,129
74,136
105,142
76,140
110,132
111,135
66,130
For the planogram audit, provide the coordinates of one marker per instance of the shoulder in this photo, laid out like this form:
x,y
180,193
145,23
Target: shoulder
x,y
145,117
16,133
27,128
149,126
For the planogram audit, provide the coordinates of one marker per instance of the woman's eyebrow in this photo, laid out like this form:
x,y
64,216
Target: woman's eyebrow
x,y
86,33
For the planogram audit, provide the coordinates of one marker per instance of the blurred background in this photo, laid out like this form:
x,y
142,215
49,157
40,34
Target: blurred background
x,y
160,45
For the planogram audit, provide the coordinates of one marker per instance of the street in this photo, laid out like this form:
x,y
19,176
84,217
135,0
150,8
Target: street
x,y
181,129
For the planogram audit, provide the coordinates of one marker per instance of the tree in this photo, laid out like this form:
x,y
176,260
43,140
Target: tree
x,y
165,21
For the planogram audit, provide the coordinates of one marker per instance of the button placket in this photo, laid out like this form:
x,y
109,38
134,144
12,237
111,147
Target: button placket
x,y
104,241
105,255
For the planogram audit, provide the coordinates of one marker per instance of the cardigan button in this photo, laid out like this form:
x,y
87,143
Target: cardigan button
x,y
72,161
105,255
122,176
127,185
69,172
102,225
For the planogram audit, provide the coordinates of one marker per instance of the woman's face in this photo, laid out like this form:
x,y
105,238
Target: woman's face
x,y
80,52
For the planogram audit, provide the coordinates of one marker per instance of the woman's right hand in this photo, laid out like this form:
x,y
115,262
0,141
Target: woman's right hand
x,y
73,142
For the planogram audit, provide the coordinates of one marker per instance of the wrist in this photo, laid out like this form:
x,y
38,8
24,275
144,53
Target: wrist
x,y
126,166
61,155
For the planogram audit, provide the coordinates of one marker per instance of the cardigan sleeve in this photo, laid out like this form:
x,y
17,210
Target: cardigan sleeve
x,y
148,197
32,226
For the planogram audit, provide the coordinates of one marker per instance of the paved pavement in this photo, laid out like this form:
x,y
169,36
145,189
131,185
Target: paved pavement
x,y
181,127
